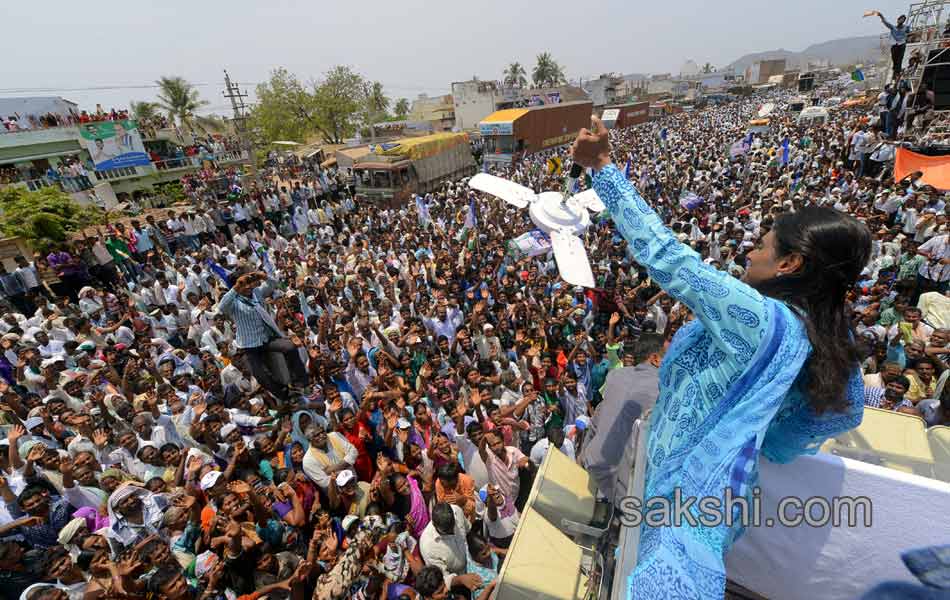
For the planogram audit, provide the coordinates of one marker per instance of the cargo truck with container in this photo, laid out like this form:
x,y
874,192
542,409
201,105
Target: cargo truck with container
x,y
626,115
511,134
392,172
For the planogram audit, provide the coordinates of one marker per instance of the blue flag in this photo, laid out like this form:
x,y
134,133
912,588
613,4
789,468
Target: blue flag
x,y
663,134
785,151
261,252
626,170
748,140
219,271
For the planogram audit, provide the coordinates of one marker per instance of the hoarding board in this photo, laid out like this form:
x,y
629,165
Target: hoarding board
x,y
113,144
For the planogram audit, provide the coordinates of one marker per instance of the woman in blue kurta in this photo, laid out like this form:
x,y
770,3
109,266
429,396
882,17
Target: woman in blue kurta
x,y
767,367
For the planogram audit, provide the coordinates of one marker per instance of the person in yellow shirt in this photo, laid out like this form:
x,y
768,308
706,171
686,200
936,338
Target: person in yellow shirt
x,y
923,384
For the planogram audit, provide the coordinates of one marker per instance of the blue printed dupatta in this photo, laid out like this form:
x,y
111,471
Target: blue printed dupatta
x,y
731,388
706,454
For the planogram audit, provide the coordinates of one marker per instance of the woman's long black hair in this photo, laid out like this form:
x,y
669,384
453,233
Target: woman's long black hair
x,y
835,248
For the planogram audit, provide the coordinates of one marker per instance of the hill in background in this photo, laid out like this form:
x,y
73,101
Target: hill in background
x,y
845,51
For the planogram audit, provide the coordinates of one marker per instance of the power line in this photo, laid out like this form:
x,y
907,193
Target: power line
x,y
100,88
145,86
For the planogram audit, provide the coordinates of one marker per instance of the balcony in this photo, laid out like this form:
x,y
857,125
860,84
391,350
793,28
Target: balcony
x,y
124,173
194,162
172,166
29,137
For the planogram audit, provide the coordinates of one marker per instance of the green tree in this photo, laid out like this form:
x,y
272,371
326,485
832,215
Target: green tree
x,y
377,104
515,75
708,68
284,109
180,100
402,108
44,218
547,72
144,110
339,103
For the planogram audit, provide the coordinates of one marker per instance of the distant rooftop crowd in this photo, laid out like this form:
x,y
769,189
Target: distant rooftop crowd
x,y
18,122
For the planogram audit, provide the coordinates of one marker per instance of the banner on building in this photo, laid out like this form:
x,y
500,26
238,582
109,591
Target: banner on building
x,y
532,243
113,144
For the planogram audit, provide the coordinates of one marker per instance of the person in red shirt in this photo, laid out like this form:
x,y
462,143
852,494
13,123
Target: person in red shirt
x,y
357,432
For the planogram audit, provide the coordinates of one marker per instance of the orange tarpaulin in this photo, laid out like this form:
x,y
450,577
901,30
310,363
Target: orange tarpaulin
x,y
936,169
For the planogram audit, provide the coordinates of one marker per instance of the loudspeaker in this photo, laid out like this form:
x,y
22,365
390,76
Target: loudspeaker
x,y
937,77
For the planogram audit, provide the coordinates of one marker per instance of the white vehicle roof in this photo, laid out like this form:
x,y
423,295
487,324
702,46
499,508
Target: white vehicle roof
x,y
813,112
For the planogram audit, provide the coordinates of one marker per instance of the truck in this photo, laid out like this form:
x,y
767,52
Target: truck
x,y
391,173
626,115
511,134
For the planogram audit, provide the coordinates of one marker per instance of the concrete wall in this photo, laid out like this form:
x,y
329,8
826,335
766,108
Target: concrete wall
x,y
473,101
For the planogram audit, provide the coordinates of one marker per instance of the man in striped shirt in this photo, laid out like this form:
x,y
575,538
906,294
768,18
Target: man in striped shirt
x,y
891,397
273,359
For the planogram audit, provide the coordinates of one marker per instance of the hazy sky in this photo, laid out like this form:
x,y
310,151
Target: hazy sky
x,y
412,46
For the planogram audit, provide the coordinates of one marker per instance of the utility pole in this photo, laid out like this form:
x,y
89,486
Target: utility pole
x,y
232,93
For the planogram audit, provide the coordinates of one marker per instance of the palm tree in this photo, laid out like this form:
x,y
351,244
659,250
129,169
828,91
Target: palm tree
x,y
376,101
402,108
180,100
708,68
144,110
547,72
515,75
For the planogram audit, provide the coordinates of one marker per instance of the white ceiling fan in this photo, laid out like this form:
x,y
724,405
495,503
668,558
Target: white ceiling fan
x,y
564,219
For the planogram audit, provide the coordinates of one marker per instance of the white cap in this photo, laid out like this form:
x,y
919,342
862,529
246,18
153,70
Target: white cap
x,y
227,429
209,479
348,521
403,424
344,477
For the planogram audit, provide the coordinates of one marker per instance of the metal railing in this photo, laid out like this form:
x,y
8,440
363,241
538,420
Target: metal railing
x,y
67,184
231,155
117,173
184,162
81,183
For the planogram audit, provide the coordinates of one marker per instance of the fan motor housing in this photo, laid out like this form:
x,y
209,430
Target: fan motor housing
x,y
551,212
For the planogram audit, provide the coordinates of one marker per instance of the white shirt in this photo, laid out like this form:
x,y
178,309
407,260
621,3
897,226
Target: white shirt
x,y
540,450
474,465
314,470
447,552
937,248
28,274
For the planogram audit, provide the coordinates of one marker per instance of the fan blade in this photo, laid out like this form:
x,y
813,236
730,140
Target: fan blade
x,y
590,200
571,257
510,192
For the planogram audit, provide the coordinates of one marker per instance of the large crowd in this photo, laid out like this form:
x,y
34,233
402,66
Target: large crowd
x,y
284,392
